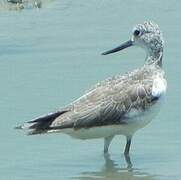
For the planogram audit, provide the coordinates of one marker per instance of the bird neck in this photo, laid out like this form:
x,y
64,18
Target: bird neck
x,y
154,57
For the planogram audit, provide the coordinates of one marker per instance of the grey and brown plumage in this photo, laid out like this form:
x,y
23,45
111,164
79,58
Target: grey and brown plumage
x,y
119,105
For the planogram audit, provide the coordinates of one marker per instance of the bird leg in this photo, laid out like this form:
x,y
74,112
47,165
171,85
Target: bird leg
x,y
128,144
107,141
126,152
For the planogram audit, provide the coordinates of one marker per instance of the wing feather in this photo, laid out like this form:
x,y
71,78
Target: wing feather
x,y
109,105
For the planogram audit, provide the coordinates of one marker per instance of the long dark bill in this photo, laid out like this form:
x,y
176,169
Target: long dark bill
x,y
119,48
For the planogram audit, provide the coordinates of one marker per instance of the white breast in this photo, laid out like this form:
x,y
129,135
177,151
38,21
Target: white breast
x,y
141,118
159,86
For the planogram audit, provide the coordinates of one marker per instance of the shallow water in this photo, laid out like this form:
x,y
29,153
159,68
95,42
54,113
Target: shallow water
x,y
50,56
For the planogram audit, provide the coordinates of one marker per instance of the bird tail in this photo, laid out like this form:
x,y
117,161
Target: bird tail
x,y
41,124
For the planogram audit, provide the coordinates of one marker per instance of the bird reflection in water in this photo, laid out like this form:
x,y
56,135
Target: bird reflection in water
x,y
112,171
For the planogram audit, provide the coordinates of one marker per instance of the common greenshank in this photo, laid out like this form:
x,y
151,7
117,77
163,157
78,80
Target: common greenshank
x,y
116,106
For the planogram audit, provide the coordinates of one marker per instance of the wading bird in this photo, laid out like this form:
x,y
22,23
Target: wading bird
x,y
116,106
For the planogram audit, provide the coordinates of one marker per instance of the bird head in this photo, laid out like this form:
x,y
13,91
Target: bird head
x,y
146,35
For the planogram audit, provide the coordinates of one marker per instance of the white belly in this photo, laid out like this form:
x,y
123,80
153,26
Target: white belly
x,y
139,119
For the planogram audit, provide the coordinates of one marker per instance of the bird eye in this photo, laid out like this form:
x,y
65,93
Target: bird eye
x,y
137,32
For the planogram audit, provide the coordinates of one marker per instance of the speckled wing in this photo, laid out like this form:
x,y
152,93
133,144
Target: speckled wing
x,y
107,104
